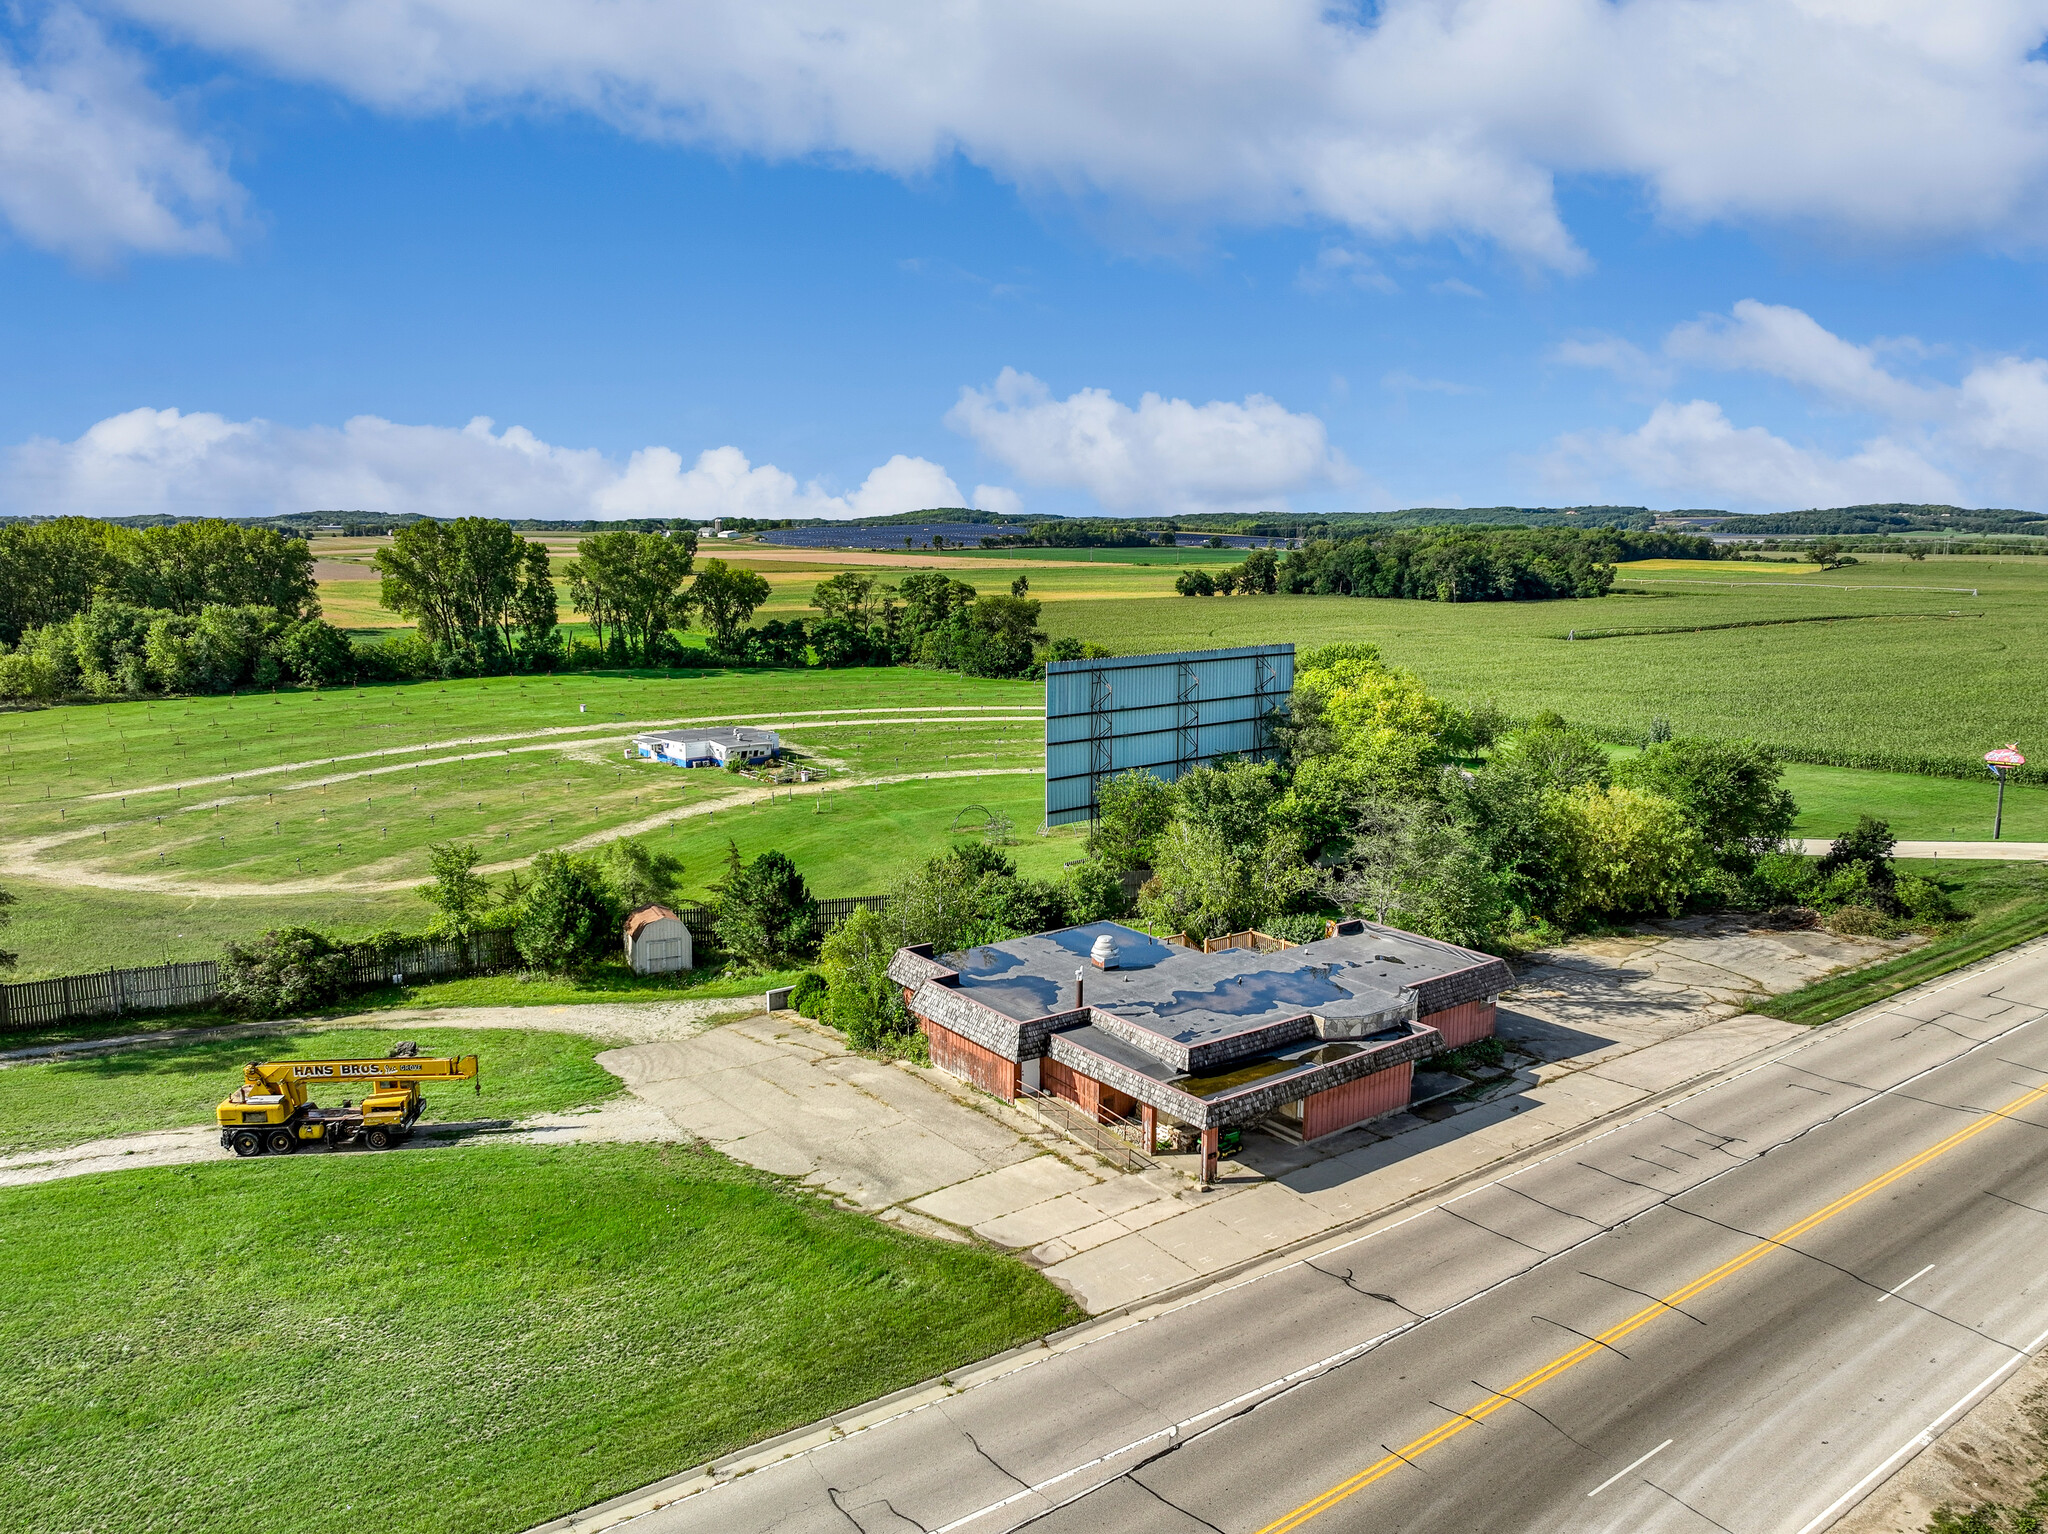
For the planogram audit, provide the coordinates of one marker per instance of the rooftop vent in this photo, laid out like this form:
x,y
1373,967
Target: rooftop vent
x,y
1103,954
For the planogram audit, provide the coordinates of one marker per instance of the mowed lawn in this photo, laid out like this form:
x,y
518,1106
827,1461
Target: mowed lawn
x,y
459,1341
48,1104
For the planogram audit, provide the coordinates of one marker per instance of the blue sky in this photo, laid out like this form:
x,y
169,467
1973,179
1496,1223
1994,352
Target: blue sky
x,y
1128,258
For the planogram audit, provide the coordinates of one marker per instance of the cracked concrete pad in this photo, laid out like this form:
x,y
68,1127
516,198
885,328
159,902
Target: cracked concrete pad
x,y
778,1096
992,1195
1675,1060
1270,1215
1120,1194
1201,1240
1040,1222
1119,1272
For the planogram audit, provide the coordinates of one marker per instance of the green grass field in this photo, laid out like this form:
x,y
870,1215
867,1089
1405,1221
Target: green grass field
x,y
53,1103
1873,665
146,831
1919,809
460,1341
2007,903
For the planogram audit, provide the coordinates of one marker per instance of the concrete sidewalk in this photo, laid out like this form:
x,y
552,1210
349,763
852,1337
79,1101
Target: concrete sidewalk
x,y
2002,852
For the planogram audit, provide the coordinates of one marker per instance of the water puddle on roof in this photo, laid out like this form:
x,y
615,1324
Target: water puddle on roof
x,y
1250,995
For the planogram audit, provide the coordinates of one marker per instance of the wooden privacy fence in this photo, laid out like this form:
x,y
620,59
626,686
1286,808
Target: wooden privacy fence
x,y
167,987
110,993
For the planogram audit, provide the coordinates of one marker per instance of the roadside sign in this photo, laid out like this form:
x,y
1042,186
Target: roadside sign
x,y
2000,762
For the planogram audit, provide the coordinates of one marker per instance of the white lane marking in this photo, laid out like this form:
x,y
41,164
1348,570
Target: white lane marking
x,y
1914,1279
1626,1468
1922,1439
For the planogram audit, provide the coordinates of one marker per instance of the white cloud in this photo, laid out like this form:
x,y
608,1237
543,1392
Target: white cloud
x,y
1451,287
1695,450
1163,456
1982,439
1790,344
199,463
1624,359
1894,119
1335,268
92,164
1001,501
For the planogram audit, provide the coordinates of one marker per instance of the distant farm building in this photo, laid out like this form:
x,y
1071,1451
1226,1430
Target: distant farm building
x,y
1302,1041
709,746
657,941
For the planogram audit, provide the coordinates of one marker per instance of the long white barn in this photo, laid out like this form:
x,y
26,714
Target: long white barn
x,y
709,746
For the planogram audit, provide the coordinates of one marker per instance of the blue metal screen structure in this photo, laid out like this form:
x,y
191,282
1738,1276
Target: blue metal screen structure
x,y
1163,714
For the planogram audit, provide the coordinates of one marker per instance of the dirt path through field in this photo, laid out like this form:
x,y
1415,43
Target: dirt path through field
x,y
21,858
797,719
625,1117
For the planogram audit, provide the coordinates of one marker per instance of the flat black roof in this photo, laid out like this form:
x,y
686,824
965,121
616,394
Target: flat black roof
x,y
1195,998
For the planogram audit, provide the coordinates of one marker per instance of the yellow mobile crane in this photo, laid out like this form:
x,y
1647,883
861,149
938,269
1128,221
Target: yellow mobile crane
x,y
271,1111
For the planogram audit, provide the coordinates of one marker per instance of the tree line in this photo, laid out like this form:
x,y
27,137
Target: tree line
x,y
1451,564
88,607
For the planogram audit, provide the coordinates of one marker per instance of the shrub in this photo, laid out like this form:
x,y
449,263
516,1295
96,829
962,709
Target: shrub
x,y
1132,808
1730,790
1869,843
1296,926
1624,852
808,995
460,896
1094,892
287,970
766,915
565,921
1782,878
317,654
860,998
1923,900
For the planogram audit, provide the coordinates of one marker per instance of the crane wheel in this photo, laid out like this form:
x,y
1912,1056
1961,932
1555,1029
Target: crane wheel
x,y
378,1139
281,1142
248,1143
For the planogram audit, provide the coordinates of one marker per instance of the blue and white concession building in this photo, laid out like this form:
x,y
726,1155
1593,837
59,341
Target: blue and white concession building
x,y
709,746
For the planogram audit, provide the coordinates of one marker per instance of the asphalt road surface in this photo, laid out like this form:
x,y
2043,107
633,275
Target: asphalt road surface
x,y
1736,1313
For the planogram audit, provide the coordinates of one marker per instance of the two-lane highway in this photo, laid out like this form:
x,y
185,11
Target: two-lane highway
x,y
1737,1313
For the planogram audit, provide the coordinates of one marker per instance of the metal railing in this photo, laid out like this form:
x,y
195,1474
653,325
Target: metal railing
x,y
1115,1141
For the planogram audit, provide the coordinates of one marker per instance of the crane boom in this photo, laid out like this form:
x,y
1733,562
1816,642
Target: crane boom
x,y
415,1068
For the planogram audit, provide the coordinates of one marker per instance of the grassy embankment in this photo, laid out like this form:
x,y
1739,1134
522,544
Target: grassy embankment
x,y
2006,903
545,1328
44,1104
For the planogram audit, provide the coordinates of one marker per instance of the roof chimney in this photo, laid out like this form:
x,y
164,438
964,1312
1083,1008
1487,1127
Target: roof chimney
x,y
1077,988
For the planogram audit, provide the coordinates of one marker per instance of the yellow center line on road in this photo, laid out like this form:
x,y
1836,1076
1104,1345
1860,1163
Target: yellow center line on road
x,y
1606,1340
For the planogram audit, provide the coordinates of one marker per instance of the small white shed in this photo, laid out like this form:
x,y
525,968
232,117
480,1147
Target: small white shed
x,y
657,941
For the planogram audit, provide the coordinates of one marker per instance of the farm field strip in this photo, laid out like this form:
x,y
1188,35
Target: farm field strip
x,y
795,721
1689,580
1901,696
